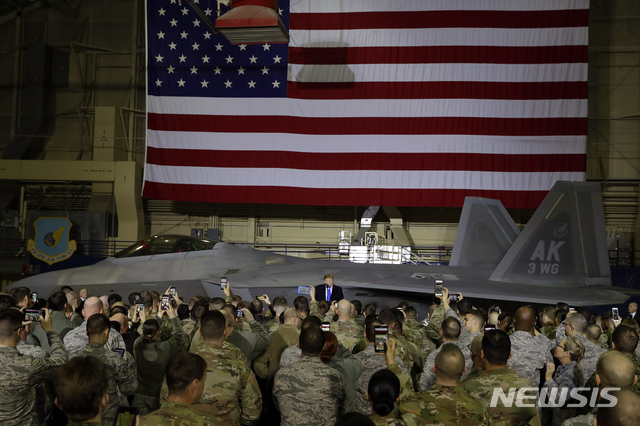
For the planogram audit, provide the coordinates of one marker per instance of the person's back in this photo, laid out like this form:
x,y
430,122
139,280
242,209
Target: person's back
x,y
309,392
21,373
152,356
121,369
231,394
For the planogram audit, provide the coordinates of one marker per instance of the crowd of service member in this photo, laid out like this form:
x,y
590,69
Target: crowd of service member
x,y
228,361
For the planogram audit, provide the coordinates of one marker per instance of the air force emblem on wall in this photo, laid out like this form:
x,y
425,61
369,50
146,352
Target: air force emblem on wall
x,y
51,244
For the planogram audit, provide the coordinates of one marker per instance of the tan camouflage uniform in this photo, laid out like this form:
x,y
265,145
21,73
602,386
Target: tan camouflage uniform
x,y
19,375
174,413
309,393
350,334
447,405
121,376
231,394
482,387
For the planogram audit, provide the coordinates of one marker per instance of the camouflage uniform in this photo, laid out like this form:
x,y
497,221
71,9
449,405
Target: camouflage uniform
x,y
190,328
549,331
416,333
428,378
351,368
268,363
77,339
290,355
309,393
583,420
121,376
465,337
371,363
566,376
231,394
435,324
528,355
31,350
389,420
19,375
591,383
446,405
60,324
350,334
482,387
174,414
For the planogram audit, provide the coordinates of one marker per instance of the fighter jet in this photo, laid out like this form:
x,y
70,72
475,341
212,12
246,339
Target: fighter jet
x,y
560,255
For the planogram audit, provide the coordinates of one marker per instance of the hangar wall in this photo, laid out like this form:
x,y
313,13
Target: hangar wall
x,y
99,115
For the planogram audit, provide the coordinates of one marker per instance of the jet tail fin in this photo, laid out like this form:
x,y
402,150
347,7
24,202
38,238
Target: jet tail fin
x,y
485,233
563,244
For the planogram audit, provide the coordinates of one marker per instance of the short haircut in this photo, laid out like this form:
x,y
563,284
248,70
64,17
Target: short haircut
x,y
625,339
369,309
212,325
7,302
328,276
10,321
97,323
66,289
578,322
623,412
615,370
132,298
631,323
549,313
593,332
370,329
311,321
183,369
183,311
312,340
279,302
113,298
57,301
357,305
301,304
465,306
561,306
323,308
384,389
118,310
80,384
387,316
496,346
19,293
561,315
150,328
411,312
216,303
450,362
199,309
256,307
451,328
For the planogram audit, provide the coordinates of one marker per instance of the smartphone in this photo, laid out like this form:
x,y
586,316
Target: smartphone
x,y
240,313
172,291
165,302
304,290
381,336
453,298
120,351
326,326
139,307
616,315
223,283
34,314
126,416
136,298
399,308
34,297
261,298
489,327
439,287
572,309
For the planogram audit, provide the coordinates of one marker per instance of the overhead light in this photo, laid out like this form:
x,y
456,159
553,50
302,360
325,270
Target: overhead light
x,y
253,21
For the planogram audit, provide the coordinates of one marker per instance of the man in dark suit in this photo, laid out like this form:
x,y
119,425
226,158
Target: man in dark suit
x,y
328,291
633,311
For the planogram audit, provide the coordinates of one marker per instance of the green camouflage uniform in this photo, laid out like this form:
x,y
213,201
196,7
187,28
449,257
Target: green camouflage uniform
x,y
121,377
549,331
435,324
448,405
428,377
350,334
482,387
389,420
174,414
231,394
309,393
416,333
591,383
19,375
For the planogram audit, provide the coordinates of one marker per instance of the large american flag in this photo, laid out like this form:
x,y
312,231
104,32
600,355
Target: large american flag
x,y
373,102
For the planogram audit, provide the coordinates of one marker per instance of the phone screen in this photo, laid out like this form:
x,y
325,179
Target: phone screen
x,y
34,297
381,336
165,303
33,314
119,351
326,326
614,313
439,287
223,282
489,327
240,313
172,291
139,307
